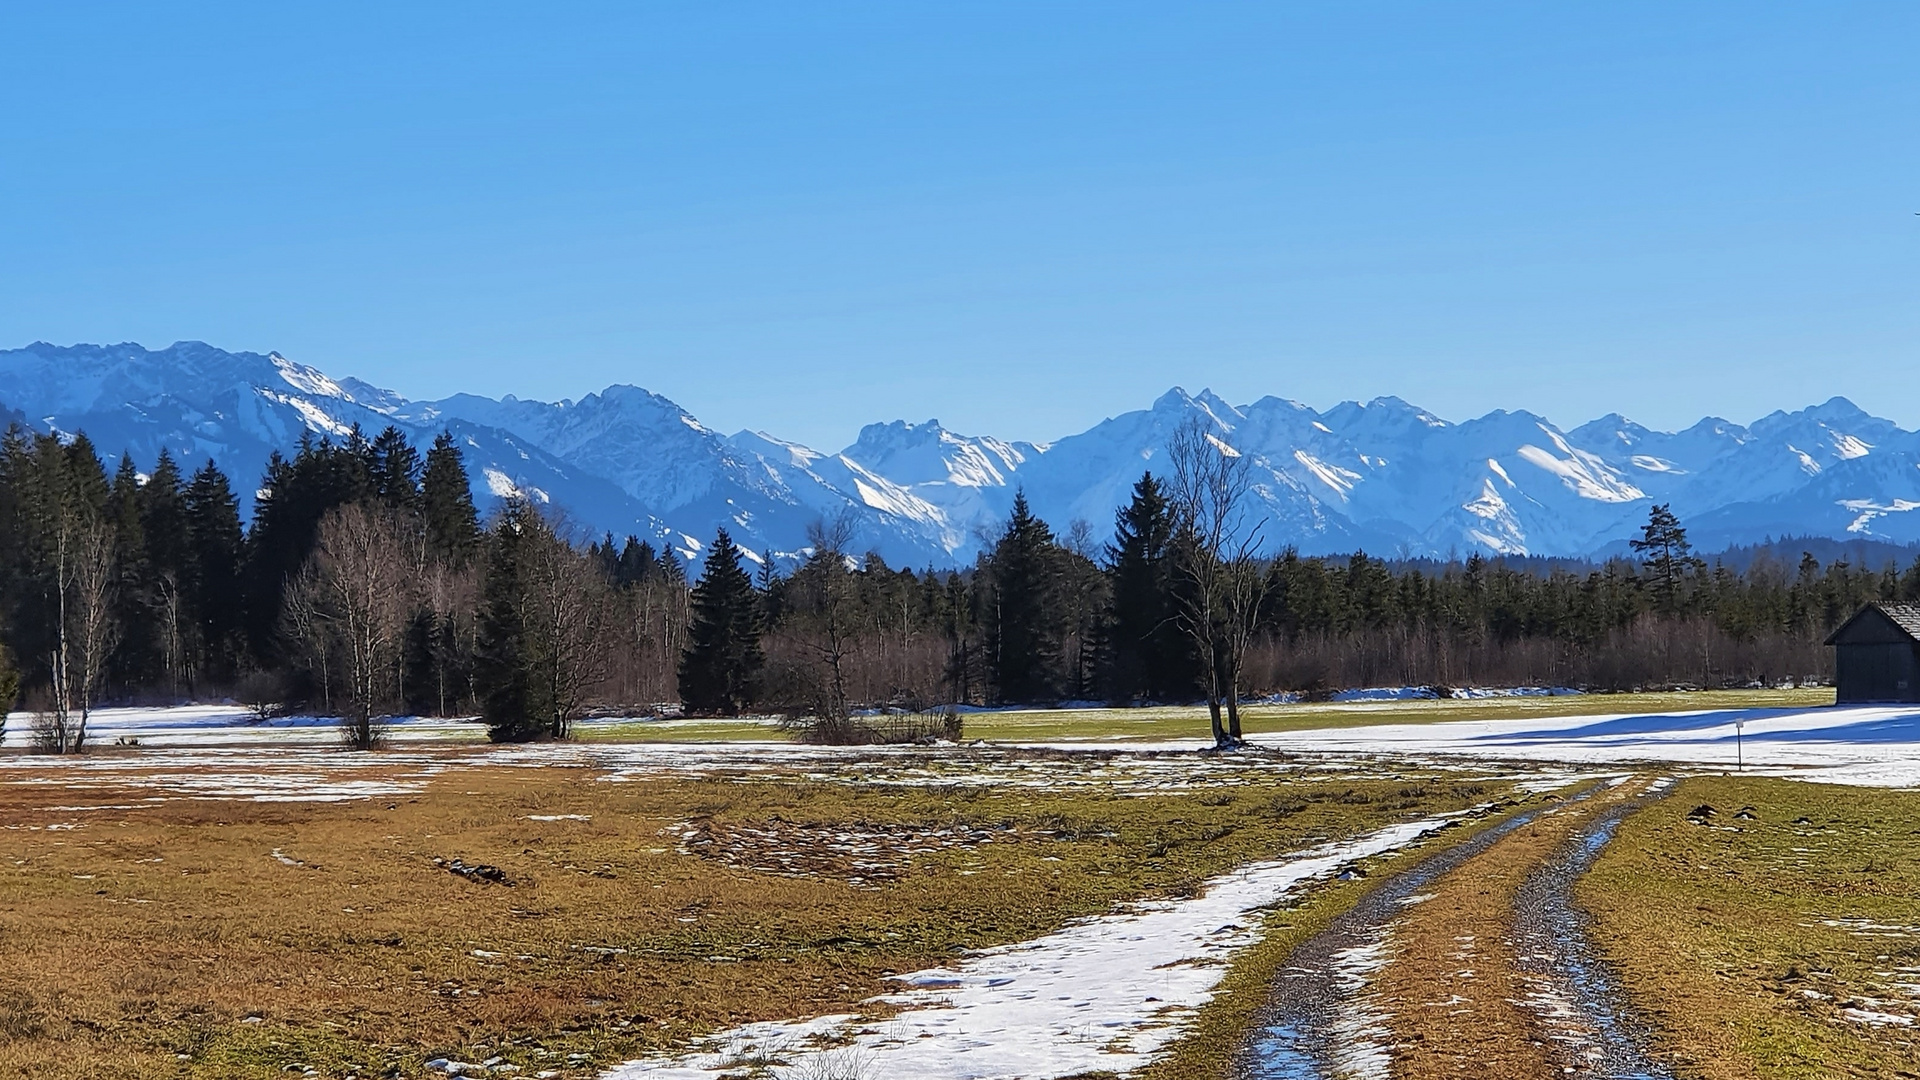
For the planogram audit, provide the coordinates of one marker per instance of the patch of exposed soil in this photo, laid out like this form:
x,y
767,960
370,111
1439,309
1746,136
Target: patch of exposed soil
x,y
857,852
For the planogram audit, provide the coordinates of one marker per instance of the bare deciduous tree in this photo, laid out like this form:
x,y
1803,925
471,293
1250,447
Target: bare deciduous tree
x,y
1217,537
450,595
95,630
53,726
171,644
85,630
822,594
567,611
305,620
364,589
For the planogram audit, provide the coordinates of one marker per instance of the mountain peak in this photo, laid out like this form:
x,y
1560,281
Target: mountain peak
x,y
1175,399
1176,402
1838,408
1383,414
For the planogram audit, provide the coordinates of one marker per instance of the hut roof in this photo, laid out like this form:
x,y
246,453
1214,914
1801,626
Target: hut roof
x,y
1903,615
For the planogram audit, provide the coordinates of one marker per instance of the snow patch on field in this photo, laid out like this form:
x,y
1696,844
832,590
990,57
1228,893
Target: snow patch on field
x,y
193,725
1106,994
219,750
1876,746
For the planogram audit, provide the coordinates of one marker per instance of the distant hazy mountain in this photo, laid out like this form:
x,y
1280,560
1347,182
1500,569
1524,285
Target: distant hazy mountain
x,y
1386,476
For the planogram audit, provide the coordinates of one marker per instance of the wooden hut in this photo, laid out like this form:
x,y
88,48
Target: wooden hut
x,y
1876,655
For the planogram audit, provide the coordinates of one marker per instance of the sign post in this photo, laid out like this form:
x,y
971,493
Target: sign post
x,y
1739,748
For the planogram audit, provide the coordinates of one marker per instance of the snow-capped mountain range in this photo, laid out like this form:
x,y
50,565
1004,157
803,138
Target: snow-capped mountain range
x,y
1385,476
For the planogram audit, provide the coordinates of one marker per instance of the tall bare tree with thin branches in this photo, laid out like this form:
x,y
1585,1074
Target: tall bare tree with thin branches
x,y
305,620
822,593
95,630
568,607
85,632
1216,543
364,596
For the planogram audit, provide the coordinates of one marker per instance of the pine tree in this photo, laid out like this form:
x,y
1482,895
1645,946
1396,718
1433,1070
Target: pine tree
x,y
722,657
446,496
1666,555
1023,632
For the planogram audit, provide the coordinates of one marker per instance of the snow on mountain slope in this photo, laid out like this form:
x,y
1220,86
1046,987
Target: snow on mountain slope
x,y
766,492
198,402
1871,495
648,445
1787,474
1383,475
966,483
1087,477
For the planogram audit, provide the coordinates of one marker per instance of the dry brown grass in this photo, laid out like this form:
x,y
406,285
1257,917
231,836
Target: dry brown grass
x,y
171,941
1725,932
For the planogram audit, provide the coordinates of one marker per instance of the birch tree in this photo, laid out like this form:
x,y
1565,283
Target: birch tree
x,y
365,592
95,630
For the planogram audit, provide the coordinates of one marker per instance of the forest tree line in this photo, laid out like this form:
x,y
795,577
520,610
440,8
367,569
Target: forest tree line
x,y
366,585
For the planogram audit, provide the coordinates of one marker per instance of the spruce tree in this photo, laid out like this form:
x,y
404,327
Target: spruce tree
x,y
446,496
1023,622
135,662
723,656
1151,658
637,563
504,675
87,475
212,517
163,524
394,471
9,685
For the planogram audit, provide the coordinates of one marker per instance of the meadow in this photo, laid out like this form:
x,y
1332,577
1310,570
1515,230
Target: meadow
x,y
629,907
152,932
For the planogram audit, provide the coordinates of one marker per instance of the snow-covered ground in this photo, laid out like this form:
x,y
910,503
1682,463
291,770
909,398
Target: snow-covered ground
x,y
200,725
1872,745
1101,995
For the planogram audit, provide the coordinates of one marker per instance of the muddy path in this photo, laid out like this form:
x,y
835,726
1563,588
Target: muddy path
x,y
1583,1010
1472,961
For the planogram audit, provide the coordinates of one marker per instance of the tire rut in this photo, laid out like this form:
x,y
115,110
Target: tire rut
x,y
1571,989
1472,960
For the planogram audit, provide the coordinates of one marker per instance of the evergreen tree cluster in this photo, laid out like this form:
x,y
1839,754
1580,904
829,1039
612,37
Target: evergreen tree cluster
x,y
171,549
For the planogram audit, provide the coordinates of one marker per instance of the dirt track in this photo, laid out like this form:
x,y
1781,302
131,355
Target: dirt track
x,y
1471,962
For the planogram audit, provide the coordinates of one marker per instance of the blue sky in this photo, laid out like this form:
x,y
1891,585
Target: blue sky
x,y
1018,218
